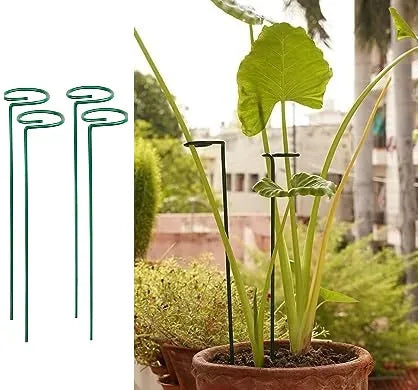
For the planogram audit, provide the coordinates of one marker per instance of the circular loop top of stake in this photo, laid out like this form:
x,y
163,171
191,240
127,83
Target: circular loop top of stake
x,y
84,98
272,155
203,143
39,123
20,99
103,121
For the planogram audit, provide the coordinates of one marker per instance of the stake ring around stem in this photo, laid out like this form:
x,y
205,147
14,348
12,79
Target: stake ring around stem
x,y
24,100
102,121
88,98
39,123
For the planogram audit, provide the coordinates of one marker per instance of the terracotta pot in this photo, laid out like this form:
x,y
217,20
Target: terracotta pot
x,y
406,381
159,371
168,363
167,383
181,361
347,376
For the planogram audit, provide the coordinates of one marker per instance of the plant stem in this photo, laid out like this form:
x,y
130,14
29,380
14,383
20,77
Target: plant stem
x,y
307,255
293,224
280,250
228,249
309,315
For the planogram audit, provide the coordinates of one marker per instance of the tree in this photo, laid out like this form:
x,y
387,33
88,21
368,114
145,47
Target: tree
x,y
182,191
366,39
373,29
401,167
151,106
147,189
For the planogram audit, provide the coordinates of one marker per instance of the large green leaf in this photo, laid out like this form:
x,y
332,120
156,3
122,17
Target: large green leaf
x,y
302,184
283,65
403,29
239,11
334,296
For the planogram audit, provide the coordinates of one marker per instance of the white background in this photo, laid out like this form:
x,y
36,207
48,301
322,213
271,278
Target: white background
x,y
57,45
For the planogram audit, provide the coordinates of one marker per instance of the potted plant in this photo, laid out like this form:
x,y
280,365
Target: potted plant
x,y
180,310
284,64
379,322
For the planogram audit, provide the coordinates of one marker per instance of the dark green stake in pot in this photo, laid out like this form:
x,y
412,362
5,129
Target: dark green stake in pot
x,y
81,95
96,122
204,144
16,101
32,124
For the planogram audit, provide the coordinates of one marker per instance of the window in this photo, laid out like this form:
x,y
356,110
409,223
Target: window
x,y
334,177
211,179
253,179
239,182
228,182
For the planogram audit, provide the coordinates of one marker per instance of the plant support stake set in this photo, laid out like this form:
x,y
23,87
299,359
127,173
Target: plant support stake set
x,y
36,119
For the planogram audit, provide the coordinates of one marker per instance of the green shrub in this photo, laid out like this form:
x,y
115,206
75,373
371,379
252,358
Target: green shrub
x,y
186,306
379,322
147,185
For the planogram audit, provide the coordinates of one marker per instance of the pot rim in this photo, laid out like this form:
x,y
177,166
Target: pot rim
x,y
180,348
201,363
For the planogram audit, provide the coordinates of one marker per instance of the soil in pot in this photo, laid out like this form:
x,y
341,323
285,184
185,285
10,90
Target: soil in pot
x,y
321,355
351,374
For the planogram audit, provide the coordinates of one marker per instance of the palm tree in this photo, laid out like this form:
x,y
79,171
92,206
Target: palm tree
x,y
372,31
372,26
400,167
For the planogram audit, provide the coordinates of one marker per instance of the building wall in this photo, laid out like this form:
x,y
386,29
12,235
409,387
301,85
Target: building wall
x,y
190,235
243,156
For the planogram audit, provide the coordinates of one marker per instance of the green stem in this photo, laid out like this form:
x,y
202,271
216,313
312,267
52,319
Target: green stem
x,y
309,315
293,224
280,250
228,249
307,255
268,276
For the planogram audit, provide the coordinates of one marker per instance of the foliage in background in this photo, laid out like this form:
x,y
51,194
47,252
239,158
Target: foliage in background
x,y
185,306
372,25
182,191
147,187
151,106
315,19
379,321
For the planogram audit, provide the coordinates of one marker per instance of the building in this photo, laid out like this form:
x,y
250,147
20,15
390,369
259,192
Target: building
x,y
245,164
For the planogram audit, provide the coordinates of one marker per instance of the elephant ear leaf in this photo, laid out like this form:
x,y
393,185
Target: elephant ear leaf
x,y
284,65
269,189
244,13
306,184
403,29
334,296
302,184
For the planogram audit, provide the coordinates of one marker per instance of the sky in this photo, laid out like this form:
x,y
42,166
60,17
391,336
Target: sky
x,y
198,49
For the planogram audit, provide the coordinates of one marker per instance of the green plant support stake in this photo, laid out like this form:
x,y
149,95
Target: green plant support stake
x,y
204,144
96,122
32,124
82,96
15,102
273,243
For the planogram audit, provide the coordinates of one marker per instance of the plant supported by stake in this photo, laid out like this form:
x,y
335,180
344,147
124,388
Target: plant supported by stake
x,y
284,64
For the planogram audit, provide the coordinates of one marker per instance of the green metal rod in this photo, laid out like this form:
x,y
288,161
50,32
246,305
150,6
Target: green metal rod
x,y
17,101
203,144
81,99
32,124
96,122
